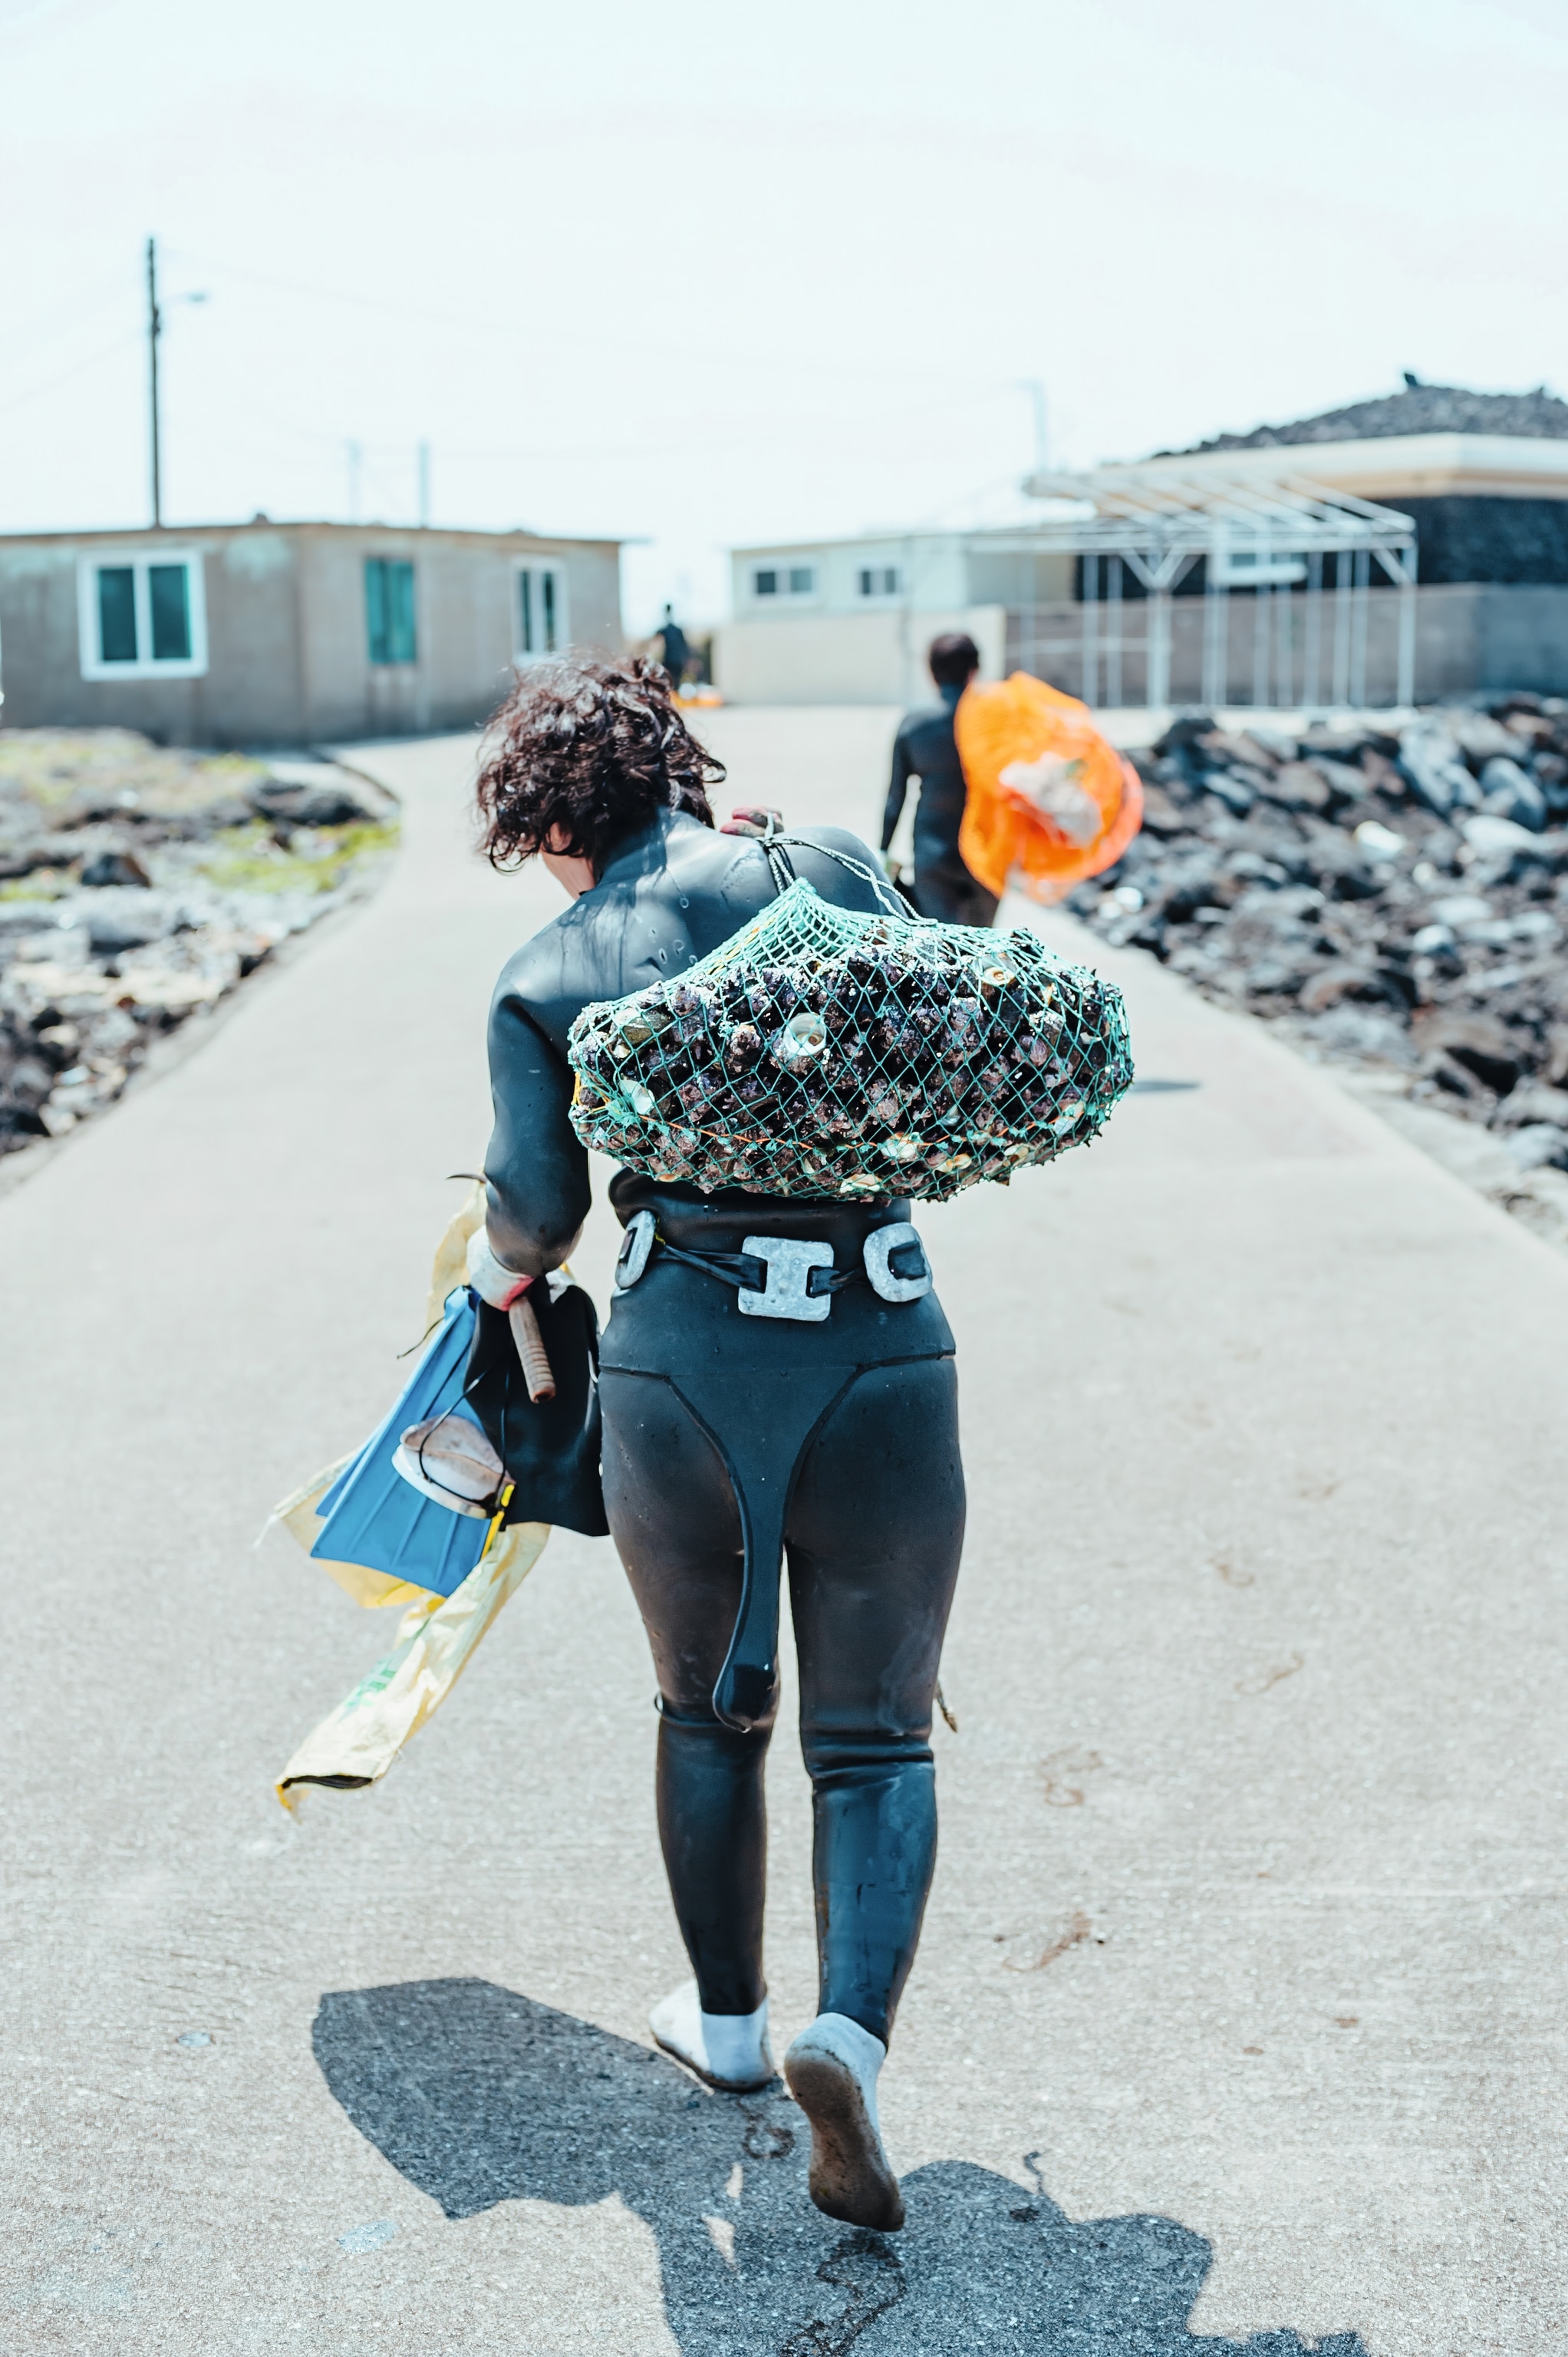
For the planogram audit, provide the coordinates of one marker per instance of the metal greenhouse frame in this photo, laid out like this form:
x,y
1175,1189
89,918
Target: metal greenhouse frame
x,y
1275,538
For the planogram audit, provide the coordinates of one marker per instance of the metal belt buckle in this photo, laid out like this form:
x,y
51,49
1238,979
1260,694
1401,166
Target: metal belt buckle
x,y
895,1262
789,1262
636,1246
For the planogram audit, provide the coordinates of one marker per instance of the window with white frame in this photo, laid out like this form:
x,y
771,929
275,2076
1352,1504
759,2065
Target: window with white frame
x,y
1257,566
540,613
784,581
142,617
881,581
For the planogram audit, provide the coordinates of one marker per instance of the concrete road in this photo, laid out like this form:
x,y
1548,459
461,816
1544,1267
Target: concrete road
x,y
1240,2013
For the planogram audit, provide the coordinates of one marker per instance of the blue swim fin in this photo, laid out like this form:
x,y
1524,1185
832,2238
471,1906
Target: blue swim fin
x,y
372,1516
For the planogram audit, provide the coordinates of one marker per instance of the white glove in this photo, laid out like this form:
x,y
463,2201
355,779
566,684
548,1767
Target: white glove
x,y
490,1279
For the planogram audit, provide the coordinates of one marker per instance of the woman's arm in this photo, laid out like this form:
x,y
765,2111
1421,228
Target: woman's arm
x,y
903,769
536,1172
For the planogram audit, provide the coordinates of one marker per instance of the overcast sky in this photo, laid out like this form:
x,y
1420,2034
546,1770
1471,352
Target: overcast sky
x,y
724,272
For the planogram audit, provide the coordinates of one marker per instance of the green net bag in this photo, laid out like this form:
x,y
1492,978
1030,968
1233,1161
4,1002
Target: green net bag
x,y
828,1052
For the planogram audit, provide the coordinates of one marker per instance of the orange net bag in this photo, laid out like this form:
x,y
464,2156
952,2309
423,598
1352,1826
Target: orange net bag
x,y
1050,801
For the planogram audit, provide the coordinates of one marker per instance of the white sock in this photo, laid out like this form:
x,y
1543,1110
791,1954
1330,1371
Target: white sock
x,y
863,2052
737,2043
728,2046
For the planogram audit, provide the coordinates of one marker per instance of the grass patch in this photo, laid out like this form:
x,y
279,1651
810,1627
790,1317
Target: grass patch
x,y
247,859
55,767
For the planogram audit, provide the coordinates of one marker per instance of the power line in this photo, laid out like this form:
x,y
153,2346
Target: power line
x,y
396,308
77,368
740,434
35,330
734,433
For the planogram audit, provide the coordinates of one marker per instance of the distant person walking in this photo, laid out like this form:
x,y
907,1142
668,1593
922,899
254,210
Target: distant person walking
x,y
924,749
674,648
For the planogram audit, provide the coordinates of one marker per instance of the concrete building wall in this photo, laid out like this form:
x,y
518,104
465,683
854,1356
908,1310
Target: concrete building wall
x,y
838,644
1467,637
1005,576
340,697
929,567
1521,638
466,625
251,691
877,657
253,670
39,637
288,657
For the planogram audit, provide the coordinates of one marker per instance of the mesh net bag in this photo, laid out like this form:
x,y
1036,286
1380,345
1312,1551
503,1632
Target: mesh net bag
x,y
1050,801
829,1052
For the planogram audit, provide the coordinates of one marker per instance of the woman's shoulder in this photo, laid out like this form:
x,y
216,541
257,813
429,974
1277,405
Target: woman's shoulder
x,y
820,854
552,974
632,928
648,925
839,839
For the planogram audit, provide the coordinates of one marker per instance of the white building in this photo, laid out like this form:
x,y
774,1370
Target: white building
x,y
848,621
1415,545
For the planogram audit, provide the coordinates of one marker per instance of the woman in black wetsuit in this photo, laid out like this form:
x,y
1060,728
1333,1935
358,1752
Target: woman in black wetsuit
x,y
728,1436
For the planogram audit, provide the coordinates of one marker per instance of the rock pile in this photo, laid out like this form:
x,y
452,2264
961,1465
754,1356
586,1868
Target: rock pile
x,y
1397,897
137,885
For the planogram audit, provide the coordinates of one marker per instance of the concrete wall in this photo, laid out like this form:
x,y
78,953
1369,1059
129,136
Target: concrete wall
x,y
1469,637
288,662
253,657
466,608
1006,577
1522,637
875,656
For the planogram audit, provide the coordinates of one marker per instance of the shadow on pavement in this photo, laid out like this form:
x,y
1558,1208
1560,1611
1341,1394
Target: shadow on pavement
x,y
477,2095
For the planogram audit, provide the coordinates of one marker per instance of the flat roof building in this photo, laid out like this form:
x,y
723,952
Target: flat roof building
x,y
268,633
848,621
1412,546
1482,476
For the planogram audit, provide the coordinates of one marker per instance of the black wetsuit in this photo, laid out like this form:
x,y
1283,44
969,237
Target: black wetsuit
x,y
924,748
838,1441
674,650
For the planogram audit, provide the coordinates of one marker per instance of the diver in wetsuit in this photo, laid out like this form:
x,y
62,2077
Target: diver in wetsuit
x,y
674,647
730,1437
925,748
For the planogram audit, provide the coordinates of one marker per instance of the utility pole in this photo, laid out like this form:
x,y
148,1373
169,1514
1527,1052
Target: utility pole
x,y
354,458
154,329
425,486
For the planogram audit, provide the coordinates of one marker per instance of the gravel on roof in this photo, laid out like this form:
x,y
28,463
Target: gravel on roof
x,y
1415,409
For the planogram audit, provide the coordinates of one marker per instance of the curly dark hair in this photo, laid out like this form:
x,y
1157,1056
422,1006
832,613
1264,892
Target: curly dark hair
x,y
590,749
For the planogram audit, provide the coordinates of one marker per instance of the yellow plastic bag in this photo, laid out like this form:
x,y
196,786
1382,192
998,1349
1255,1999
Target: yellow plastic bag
x,y
300,1519
450,1266
438,1636
437,1639
1050,801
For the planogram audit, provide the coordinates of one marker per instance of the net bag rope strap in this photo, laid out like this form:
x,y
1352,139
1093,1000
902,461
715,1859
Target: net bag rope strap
x,y
774,843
